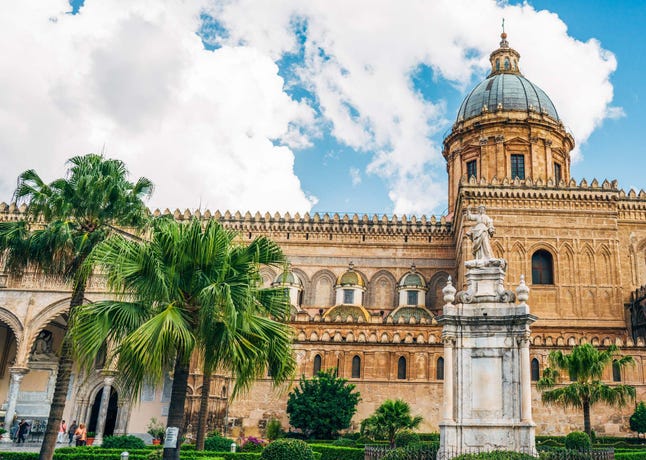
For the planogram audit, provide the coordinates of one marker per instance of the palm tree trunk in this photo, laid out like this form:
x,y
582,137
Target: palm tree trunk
x,y
62,382
204,409
586,418
177,400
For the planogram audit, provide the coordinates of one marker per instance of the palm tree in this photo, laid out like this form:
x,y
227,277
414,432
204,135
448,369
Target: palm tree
x,y
191,287
63,222
390,418
585,367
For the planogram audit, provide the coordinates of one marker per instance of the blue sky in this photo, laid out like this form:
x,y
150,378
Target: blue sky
x,y
328,106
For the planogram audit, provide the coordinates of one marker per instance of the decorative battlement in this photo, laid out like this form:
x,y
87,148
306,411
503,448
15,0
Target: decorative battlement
x,y
307,222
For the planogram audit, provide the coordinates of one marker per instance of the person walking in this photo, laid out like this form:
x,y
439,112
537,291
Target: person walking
x,y
13,432
23,429
62,432
71,431
81,435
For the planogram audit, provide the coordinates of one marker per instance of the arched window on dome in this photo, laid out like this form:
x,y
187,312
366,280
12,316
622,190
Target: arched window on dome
x,y
616,371
439,371
401,368
542,267
317,364
507,64
497,64
536,370
356,367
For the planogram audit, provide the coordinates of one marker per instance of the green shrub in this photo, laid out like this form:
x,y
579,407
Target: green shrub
x,y
406,437
19,456
287,449
354,435
630,456
274,430
217,443
429,436
123,442
253,444
421,450
578,440
331,452
344,442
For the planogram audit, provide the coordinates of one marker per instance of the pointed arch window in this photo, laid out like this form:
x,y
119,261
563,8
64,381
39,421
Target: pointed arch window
x,y
616,371
536,370
542,267
317,364
356,367
439,371
507,64
401,368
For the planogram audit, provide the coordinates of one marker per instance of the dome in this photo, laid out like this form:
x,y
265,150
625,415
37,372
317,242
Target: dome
x,y
287,278
412,280
506,91
350,278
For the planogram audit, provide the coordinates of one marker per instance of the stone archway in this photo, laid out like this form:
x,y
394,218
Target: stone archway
x,y
111,413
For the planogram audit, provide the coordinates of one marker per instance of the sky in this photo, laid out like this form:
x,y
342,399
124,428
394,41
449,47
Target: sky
x,y
292,106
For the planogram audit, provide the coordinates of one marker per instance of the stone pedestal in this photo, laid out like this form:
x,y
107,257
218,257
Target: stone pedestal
x,y
487,386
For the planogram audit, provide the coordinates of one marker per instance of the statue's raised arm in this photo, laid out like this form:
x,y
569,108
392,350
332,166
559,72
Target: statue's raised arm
x,y
481,233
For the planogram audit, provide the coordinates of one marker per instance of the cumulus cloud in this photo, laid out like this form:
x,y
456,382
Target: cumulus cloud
x,y
219,129
358,59
210,128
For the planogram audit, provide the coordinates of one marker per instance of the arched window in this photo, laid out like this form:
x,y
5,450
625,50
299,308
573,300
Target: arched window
x,y
542,267
536,370
616,371
356,367
317,364
497,64
223,393
401,368
439,372
507,64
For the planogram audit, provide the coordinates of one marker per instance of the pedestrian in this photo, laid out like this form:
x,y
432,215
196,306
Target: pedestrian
x,y
13,432
71,431
23,429
62,432
81,435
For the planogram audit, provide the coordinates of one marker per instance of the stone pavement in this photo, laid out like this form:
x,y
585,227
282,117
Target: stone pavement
x,y
23,447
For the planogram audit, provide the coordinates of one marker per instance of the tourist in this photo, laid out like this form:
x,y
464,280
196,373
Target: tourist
x,y
62,432
81,435
71,431
13,431
23,429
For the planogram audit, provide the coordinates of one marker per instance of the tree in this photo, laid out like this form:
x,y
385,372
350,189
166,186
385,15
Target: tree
x,y
389,419
322,405
63,222
189,288
638,419
585,367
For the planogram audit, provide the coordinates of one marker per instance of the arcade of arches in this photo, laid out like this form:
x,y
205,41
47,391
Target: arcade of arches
x,y
366,290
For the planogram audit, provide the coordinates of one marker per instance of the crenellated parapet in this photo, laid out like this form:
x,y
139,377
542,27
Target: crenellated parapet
x,y
312,223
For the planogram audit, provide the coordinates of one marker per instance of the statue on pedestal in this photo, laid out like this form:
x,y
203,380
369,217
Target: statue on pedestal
x,y
481,233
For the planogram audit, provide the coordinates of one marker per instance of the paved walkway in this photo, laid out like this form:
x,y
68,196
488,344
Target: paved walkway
x,y
23,447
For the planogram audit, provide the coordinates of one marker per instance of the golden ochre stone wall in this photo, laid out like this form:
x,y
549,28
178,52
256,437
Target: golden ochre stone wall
x,y
595,232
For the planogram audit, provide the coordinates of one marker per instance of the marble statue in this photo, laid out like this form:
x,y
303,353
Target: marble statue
x,y
481,233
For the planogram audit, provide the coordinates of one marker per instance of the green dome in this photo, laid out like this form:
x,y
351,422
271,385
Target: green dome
x,y
287,277
350,278
413,279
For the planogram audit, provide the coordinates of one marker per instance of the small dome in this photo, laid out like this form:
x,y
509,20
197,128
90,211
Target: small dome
x,y
350,278
506,91
287,278
412,279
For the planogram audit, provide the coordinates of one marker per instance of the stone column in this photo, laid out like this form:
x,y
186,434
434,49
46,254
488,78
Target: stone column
x,y
525,381
103,409
16,375
448,379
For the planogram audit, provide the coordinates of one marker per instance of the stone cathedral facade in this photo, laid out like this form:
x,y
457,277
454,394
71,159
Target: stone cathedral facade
x,y
366,290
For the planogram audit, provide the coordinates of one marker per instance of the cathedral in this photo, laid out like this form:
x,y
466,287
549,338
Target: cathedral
x,y
366,291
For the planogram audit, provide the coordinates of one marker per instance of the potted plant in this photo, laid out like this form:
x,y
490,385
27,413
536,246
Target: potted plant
x,y
157,430
90,437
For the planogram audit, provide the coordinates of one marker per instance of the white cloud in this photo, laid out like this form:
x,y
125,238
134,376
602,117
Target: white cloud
x,y
355,176
218,129
359,55
214,129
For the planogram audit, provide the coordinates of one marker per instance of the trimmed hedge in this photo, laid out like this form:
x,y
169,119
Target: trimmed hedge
x,y
630,455
288,449
329,452
123,442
